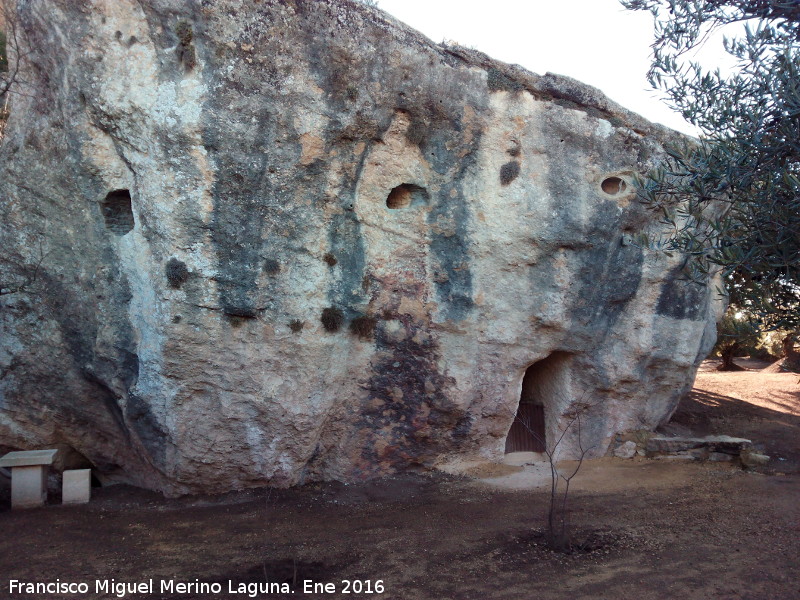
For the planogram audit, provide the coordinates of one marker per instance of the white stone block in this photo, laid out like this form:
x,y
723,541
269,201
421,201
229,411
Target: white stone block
x,y
28,486
77,486
626,450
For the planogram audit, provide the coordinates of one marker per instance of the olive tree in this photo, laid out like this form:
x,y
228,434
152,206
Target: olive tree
x,y
732,198
735,332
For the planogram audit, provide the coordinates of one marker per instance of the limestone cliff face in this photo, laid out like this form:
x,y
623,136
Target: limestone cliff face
x,y
280,241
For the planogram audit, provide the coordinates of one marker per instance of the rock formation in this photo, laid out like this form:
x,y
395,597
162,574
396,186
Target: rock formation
x,y
263,243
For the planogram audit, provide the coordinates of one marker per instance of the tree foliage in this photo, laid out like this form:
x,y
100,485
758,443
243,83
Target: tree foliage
x,y
732,198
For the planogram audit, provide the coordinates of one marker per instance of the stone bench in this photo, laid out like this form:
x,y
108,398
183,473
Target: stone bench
x,y
716,448
714,443
28,476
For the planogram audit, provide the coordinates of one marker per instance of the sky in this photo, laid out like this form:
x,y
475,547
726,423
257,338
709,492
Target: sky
x,y
595,41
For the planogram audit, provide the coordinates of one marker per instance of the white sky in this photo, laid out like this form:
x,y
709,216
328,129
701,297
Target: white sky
x,y
595,41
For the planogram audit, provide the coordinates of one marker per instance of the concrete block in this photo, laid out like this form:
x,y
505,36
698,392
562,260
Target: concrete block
x,y
28,486
76,486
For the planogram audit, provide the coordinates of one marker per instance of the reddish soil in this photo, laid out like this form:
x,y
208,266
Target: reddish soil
x,y
650,529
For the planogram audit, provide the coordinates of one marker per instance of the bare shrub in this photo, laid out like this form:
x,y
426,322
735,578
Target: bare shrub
x,y
558,533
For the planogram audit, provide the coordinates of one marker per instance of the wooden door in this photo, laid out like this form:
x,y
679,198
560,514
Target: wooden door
x,y
527,430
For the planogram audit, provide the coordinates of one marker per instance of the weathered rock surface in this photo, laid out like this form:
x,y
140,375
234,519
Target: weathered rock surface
x,y
189,187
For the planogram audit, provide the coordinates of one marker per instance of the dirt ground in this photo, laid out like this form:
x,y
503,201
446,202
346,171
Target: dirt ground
x,y
652,529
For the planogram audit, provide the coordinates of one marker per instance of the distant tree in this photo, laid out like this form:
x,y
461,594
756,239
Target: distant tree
x,y
3,52
12,50
19,272
732,198
735,332
12,55
790,353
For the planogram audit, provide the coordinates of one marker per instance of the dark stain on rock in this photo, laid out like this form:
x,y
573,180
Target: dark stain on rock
x,y
236,234
407,418
347,244
608,277
605,273
109,376
417,132
129,366
240,312
682,298
77,329
256,215
436,126
148,429
449,238
243,203
108,399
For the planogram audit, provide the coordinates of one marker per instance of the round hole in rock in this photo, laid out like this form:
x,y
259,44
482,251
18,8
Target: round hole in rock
x,y
407,194
117,212
613,185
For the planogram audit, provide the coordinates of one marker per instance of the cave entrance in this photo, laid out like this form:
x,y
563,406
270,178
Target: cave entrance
x,y
544,381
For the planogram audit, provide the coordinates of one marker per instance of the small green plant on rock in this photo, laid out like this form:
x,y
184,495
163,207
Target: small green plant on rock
x,y
500,82
272,266
332,319
184,32
363,327
186,51
177,273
